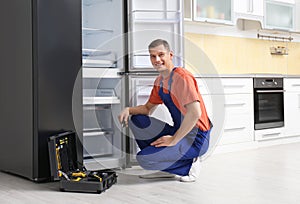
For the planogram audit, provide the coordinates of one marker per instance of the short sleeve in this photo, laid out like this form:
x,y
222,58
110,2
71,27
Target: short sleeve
x,y
185,90
154,96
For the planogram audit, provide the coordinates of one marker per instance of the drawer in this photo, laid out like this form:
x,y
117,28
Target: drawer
x,y
238,104
97,144
292,85
237,129
235,86
97,117
268,134
205,85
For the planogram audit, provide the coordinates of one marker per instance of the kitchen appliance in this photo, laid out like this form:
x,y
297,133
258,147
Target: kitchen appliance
x,y
40,81
117,71
268,103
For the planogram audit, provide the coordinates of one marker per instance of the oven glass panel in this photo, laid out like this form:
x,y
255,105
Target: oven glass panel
x,y
269,107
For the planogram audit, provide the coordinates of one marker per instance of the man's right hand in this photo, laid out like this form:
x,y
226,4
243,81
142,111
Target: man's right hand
x,y
123,117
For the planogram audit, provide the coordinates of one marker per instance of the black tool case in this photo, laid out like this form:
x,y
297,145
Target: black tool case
x,y
72,175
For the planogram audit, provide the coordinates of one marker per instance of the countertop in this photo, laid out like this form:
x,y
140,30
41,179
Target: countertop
x,y
250,75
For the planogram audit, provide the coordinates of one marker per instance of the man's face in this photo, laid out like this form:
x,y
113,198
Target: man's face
x,y
161,58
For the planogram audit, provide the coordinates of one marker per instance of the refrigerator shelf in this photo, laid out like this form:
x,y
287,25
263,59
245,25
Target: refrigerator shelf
x,y
99,63
95,52
91,31
92,2
100,100
98,72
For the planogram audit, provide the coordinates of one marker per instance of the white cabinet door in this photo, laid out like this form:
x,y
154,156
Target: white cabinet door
x,y
279,15
214,11
249,7
292,106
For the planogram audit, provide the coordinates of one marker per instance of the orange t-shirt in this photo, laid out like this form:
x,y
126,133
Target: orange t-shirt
x,y
184,90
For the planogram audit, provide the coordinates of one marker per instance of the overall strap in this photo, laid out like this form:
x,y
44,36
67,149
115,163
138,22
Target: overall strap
x,y
170,80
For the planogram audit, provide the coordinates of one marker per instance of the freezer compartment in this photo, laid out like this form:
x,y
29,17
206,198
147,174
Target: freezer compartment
x,y
97,144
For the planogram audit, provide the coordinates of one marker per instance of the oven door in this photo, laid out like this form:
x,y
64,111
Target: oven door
x,y
268,108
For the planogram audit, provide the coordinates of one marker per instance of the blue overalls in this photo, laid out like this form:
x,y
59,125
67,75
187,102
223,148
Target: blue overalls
x,y
174,159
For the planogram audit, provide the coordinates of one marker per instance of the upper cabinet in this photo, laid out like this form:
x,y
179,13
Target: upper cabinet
x,y
280,15
271,14
249,9
214,11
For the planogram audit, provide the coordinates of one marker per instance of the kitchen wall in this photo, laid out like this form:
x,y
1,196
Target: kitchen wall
x,y
214,54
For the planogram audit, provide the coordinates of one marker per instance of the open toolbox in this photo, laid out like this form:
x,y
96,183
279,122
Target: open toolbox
x,y
71,174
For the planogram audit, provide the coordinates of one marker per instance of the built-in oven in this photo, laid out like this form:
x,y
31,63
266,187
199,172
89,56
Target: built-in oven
x,y
268,103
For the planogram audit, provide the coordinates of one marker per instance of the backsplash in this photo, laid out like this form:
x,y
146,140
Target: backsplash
x,y
212,54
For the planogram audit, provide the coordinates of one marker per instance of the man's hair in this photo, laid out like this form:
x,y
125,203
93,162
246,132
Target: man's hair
x,y
159,42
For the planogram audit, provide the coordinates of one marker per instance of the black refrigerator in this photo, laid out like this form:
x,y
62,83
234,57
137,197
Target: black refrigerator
x,y
40,81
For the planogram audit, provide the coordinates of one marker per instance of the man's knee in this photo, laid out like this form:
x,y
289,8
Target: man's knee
x,y
140,121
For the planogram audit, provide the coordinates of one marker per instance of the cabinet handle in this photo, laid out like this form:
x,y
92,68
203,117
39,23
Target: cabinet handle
x,y
271,134
233,86
250,6
295,84
234,104
234,129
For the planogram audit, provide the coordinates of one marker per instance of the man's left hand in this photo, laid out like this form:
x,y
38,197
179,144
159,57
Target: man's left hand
x,y
164,141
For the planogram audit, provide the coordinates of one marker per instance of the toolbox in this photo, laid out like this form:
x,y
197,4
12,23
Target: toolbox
x,y
71,174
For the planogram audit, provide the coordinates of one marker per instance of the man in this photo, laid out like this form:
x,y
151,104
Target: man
x,y
171,149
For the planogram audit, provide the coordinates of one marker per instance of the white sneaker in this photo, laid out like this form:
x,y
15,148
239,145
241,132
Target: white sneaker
x,y
159,174
194,172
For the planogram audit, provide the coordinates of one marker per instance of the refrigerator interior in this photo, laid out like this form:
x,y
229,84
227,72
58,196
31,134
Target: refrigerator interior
x,y
102,31
103,57
149,20
103,144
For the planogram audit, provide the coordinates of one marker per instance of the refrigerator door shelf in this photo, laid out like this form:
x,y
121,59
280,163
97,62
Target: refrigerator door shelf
x,y
156,16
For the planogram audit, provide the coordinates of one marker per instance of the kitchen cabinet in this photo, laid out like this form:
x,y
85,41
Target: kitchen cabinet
x,y
214,11
232,100
279,15
188,10
249,9
292,106
297,15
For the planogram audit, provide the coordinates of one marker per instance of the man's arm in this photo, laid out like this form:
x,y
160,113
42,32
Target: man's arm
x,y
190,119
141,109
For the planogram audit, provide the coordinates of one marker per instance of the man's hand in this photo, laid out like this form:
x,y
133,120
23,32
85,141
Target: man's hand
x,y
123,117
164,141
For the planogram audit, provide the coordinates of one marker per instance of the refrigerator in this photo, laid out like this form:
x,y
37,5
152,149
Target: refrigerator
x,y
41,81
117,71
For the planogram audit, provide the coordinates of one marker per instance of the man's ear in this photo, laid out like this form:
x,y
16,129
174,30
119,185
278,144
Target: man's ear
x,y
171,54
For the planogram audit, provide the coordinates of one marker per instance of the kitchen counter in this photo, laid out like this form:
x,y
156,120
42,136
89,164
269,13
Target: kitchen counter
x,y
250,75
